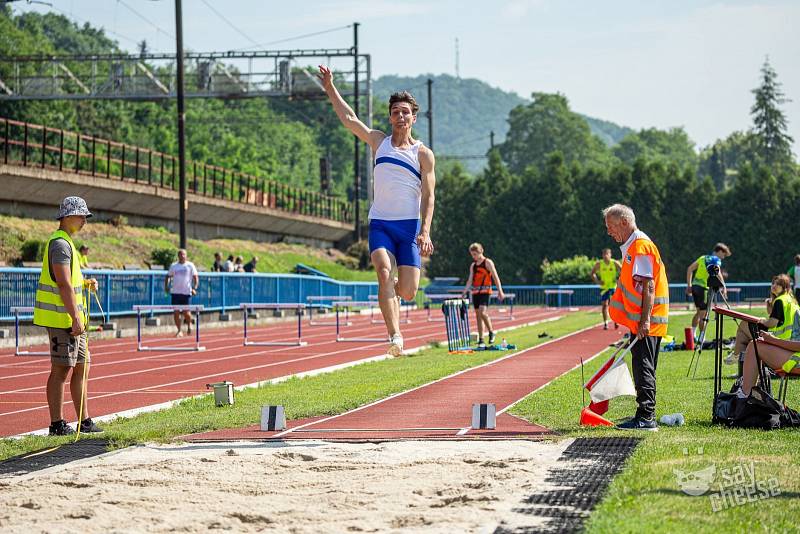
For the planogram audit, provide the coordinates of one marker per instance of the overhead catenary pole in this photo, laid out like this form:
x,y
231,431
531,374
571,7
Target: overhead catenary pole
x,y
356,159
429,114
184,203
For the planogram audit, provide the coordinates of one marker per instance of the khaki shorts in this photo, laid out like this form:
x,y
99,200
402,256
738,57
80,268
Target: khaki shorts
x,y
67,350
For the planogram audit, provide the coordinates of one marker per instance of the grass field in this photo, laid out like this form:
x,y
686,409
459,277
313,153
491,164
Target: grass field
x,y
647,496
326,394
129,245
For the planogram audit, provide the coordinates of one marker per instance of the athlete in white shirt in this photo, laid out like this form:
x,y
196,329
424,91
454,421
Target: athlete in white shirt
x,y
401,214
181,283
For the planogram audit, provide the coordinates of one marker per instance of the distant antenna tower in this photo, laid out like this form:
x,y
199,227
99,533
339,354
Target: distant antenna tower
x,y
458,73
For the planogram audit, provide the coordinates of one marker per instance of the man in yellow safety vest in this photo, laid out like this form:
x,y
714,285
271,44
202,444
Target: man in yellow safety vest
x,y
640,302
60,308
605,273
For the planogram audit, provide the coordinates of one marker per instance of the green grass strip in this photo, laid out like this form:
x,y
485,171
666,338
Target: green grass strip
x,y
647,495
326,394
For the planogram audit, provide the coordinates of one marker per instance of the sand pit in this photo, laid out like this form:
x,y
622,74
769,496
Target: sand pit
x,y
435,486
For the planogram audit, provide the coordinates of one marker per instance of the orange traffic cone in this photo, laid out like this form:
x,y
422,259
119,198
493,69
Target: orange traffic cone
x,y
599,407
589,418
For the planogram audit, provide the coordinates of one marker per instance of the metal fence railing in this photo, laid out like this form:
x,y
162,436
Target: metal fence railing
x,y
38,146
119,291
589,295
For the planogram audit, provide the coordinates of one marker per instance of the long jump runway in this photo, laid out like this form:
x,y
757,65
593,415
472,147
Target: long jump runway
x,y
442,409
122,379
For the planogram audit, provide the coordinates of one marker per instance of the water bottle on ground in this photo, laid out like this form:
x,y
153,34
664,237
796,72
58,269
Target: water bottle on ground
x,y
672,419
504,344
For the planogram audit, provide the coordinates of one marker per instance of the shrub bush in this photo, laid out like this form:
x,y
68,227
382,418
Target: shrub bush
x,y
360,251
163,256
32,250
574,270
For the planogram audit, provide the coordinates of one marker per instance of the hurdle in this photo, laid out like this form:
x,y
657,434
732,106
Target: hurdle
x,y
559,292
320,300
340,305
17,310
148,308
509,316
298,308
374,300
436,298
456,315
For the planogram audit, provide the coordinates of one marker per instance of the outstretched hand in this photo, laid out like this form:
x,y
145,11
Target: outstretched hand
x,y
325,76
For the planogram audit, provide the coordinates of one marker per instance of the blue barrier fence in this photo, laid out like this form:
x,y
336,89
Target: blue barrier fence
x,y
589,295
119,291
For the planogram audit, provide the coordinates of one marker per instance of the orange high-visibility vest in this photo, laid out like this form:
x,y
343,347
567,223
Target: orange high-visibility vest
x,y
626,303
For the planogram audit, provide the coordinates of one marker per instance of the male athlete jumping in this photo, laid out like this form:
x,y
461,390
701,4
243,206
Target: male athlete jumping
x,y
402,210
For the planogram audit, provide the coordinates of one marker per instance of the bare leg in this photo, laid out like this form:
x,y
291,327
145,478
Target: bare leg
x,y
407,282
187,318
484,310
177,316
55,391
386,290
743,337
479,320
773,356
604,308
77,388
697,317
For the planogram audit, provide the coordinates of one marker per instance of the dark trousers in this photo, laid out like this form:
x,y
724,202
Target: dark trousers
x,y
644,357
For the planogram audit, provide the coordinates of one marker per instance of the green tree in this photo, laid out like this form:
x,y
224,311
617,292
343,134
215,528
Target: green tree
x,y
722,160
547,125
769,122
671,146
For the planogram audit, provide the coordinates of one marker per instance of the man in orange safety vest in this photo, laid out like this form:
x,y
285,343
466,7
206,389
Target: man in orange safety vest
x,y
640,302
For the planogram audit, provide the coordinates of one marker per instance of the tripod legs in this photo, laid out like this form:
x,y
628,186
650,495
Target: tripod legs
x,y
698,349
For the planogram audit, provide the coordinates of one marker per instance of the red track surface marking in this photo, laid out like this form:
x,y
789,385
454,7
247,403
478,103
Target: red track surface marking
x,y
123,379
442,409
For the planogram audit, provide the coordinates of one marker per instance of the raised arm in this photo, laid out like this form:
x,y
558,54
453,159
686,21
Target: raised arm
x,y
427,164
346,114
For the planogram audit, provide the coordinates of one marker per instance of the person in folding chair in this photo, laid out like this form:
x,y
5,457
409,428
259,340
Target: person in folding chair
x,y
779,354
784,315
60,308
402,210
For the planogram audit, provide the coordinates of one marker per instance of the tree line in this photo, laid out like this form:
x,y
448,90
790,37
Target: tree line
x,y
541,196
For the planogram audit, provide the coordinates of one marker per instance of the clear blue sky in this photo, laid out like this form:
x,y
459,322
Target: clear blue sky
x,y
640,63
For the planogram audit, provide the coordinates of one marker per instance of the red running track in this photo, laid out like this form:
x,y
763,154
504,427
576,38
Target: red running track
x,y
442,409
122,379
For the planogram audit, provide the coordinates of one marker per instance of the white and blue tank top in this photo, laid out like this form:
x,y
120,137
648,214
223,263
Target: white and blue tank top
x,y
397,181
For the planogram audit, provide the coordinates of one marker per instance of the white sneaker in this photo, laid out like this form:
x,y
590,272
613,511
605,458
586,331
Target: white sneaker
x,y
732,358
396,345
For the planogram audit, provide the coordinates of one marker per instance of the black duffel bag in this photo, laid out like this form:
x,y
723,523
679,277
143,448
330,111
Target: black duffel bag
x,y
759,410
725,408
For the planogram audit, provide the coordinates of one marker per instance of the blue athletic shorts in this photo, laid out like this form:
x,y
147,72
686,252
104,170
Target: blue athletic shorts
x,y
399,238
606,295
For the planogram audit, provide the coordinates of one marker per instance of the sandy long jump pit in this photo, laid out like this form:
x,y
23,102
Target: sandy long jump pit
x,y
423,486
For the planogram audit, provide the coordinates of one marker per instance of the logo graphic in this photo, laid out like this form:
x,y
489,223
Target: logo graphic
x,y
696,483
